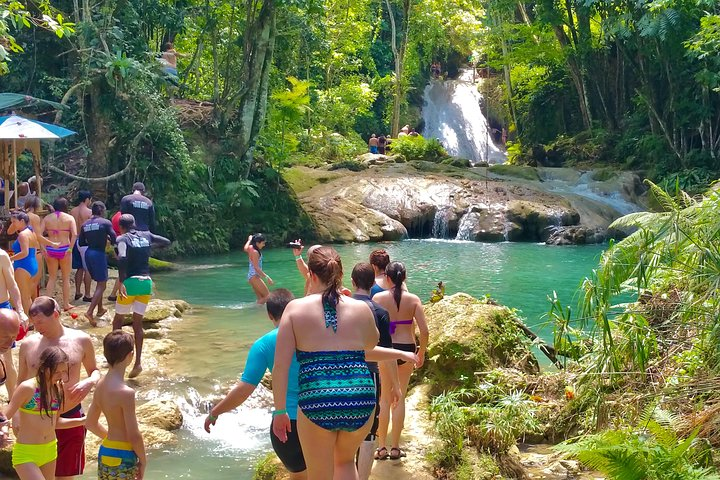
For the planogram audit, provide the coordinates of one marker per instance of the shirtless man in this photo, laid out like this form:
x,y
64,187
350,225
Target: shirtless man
x,y
81,213
9,328
9,291
45,315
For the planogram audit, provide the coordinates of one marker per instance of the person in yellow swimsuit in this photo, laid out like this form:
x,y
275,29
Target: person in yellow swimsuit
x,y
39,401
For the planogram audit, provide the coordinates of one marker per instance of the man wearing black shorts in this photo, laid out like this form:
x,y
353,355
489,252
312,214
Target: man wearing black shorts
x,y
363,279
260,359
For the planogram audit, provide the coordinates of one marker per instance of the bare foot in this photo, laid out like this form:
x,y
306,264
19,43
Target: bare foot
x,y
135,371
90,319
100,312
67,308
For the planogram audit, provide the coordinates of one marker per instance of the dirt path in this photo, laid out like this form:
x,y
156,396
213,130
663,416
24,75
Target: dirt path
x,y
416,442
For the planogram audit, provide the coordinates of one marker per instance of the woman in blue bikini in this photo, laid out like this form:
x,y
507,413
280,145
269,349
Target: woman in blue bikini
x,y
329,333
405,311
253,248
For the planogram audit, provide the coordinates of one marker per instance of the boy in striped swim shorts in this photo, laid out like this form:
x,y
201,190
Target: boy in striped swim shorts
x,y
133,247
122,452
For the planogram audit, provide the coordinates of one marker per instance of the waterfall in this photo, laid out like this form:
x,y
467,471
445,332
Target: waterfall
x,y
465,227
453,115
441,223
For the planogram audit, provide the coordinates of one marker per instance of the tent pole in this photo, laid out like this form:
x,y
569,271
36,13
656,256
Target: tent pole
x,y
15,195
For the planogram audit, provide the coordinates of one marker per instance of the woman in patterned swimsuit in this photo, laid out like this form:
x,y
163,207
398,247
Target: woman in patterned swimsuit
x,y
330,333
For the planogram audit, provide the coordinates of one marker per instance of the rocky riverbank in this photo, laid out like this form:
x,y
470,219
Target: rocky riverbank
x,y
390,201
158,418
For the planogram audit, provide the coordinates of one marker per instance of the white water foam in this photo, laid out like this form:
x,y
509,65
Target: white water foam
x,y
452,114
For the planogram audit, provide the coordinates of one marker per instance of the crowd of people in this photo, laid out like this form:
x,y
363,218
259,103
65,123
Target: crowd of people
x,y
341,362
341,359
46,389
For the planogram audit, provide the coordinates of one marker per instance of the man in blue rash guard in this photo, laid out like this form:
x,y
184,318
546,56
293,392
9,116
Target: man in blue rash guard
x,y
260,359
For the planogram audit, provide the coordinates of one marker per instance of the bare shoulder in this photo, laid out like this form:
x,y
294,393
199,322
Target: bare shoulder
x,y
125,395
78,335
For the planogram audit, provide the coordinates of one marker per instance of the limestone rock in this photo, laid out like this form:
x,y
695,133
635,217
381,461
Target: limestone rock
x,y
163,414
576,235
467,336
535,219
163,346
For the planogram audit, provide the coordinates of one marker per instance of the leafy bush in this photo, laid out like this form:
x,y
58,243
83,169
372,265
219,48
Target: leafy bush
x,y
651,451
417,148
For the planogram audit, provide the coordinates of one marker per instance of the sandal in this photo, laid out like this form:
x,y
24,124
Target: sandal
x,y
112,298
379,455
399,455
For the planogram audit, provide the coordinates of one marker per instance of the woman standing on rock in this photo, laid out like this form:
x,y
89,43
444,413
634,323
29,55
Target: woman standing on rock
x,y
253,246
61,228
329,333
405,311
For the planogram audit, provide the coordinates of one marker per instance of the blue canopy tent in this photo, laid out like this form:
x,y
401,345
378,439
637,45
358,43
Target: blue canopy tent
x,y
18,134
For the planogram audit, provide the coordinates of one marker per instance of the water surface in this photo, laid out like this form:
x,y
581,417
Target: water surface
x,y
213,341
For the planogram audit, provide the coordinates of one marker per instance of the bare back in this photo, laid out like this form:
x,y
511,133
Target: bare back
x,y
60,227
117,402
7,279
81,214
409,305
356,328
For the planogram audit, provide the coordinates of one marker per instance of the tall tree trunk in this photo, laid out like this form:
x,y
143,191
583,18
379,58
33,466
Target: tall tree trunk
x,y
399,56
575,74
98,139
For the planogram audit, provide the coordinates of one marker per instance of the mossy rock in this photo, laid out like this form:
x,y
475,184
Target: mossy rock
x,y
270,468
516,171
161,265
468,335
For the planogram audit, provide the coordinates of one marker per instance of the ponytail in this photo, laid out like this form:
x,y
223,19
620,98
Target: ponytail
x,y
331,295
326,264
396,272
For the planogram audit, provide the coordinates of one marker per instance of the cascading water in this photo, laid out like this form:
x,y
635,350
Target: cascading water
x,y
465,227
452,114
441,222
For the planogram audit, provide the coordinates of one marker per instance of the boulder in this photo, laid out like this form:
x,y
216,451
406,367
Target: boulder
x,y
468,335
576,235
533,221
163,414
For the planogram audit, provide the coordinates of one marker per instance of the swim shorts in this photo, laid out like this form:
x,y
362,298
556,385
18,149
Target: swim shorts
x,y
117,460
139,291
96,264
290,453
78,257
39,454
71,447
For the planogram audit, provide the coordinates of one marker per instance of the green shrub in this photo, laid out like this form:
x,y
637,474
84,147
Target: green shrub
x,y
417,148
268,468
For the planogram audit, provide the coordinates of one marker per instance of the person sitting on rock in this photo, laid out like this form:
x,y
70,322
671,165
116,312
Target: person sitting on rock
x,y
134,273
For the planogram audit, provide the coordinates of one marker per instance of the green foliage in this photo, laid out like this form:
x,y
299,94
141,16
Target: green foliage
x,y
268,468
417,148
675,252
650,451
